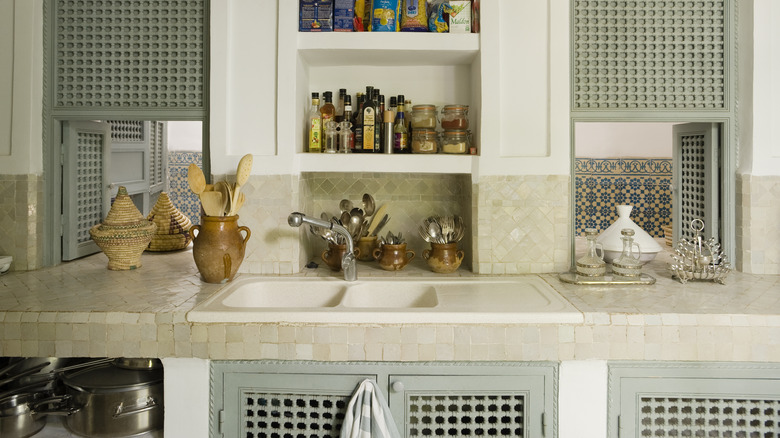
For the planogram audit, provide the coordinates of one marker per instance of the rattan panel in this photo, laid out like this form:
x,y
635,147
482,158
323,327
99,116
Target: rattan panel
x,y
649,54
709,417
89,183
122,54
693,182
276,415
465,415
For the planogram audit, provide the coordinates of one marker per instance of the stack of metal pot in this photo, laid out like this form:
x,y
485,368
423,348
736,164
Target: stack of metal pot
x,y
96,398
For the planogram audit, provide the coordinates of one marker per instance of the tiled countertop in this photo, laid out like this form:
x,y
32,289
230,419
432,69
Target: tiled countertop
x,y
82,309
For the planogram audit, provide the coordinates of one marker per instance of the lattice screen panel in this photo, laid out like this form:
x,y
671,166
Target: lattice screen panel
x,y
649,54
89,183
693,182
709,417
276,415
157,163
127,131
129,54
465,415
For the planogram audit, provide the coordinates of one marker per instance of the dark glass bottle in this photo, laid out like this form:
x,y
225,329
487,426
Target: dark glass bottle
x,y
370,133
357,123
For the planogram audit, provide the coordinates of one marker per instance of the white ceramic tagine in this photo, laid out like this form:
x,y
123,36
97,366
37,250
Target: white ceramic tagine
x,y
610,239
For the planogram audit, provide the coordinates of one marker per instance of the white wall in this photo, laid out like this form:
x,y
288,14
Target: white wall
x,y
185,136
21,49
765,142
623,140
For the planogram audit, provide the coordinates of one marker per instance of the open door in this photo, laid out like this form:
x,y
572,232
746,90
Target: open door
x,y
696,194
86,148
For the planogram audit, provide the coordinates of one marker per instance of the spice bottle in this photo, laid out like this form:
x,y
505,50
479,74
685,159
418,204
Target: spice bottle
x,y
347,134
315,124
387,132
400,133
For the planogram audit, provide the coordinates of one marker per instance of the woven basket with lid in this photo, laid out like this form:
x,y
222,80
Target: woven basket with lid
x,y
124,234
173,227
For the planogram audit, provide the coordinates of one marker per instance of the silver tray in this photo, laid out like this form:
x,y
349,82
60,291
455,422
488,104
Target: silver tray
x,y
608,279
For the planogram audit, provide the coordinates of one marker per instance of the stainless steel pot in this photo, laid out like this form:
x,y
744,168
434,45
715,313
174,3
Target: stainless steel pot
x,y
110,401
24,415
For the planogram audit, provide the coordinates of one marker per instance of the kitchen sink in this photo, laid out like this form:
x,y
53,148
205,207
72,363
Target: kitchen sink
x,y
463,300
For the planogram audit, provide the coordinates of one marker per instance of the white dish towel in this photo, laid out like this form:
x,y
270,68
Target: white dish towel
x,y
368,415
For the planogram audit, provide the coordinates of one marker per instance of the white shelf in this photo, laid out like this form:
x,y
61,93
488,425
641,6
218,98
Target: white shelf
x,y
387,48
391,163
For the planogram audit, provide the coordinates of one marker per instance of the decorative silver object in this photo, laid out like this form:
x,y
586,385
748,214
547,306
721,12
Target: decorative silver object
x,y
699,259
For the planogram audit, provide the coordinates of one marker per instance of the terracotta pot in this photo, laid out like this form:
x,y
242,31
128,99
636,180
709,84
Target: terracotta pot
x,y
334,254
393,257
367,245
443,257
218,247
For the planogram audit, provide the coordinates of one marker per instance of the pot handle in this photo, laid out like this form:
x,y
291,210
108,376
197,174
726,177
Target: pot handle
x,y
122,411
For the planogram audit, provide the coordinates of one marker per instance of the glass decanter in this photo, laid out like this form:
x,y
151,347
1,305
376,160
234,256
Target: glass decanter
x,y
592,263
628,263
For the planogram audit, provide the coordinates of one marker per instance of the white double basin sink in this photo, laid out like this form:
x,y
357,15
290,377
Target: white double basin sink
x,y
465,300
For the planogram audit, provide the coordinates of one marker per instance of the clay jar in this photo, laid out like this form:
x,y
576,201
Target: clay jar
x,y
334,254
393,257
218,247
366,245
443,258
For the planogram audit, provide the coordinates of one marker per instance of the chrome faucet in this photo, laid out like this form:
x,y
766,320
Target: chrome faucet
x,y
349,262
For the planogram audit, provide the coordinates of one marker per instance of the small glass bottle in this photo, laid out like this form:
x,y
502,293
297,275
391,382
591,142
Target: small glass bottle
x,y
340,105
331,137
400,133
592,263
315,125
628,263
346,134
327,110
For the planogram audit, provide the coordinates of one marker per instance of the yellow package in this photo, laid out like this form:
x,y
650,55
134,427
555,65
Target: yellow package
x,y
360,14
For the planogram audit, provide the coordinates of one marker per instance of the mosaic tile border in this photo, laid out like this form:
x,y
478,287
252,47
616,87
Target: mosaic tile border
x,y
178,188
603,183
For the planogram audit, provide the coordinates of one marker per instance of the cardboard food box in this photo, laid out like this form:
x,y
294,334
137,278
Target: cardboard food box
x,y
316,16
460,17
343,15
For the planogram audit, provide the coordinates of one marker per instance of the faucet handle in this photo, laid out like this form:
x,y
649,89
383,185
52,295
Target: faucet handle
x,y
349,266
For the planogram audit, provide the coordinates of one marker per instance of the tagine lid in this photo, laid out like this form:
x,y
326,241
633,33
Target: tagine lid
x,y
610,238
124,214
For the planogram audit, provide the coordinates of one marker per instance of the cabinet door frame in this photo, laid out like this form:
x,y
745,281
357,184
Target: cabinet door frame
x,y
537,379
630,381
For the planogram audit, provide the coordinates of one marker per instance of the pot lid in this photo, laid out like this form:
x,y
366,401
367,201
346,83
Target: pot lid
x,y
110,378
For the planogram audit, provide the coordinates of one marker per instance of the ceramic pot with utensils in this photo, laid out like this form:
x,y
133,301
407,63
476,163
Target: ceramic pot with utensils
x,y
443,258
218,247
334,254
393,257
366,246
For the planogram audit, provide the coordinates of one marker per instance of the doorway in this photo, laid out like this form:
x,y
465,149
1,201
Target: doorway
x,y
669,172
146,157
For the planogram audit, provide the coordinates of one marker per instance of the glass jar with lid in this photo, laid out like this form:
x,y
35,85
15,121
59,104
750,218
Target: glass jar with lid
x,y
456,142
455,117
424,141
424,117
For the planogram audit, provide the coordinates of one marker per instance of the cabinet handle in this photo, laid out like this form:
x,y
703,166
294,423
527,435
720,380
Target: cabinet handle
x,y
398,386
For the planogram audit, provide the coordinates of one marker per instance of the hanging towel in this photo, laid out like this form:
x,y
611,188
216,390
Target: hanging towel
x,y
368,415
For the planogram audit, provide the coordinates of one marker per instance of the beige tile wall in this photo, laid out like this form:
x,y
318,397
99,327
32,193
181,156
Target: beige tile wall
x,y
21,220
523,224
601,336
758,224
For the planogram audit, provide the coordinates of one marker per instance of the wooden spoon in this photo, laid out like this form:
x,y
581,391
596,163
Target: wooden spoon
x,y
196,179
212,203
227,196
242,176
376,219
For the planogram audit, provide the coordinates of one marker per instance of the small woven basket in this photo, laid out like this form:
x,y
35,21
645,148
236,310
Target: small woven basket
x,y
173,228
124,234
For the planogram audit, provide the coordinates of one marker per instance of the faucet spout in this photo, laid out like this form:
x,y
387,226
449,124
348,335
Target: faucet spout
x,y
348,262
